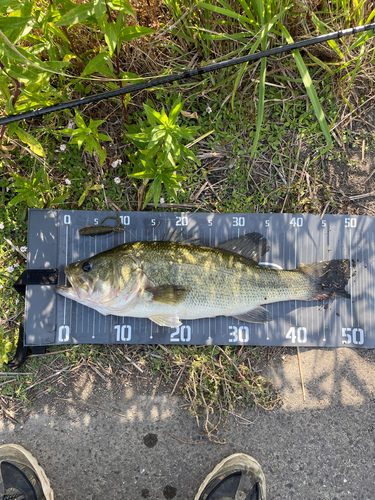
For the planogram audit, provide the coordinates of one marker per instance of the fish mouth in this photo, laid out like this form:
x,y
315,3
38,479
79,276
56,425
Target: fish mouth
x,y
76,287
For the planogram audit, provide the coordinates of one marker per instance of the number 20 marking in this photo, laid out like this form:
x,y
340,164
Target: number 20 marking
x,y
182,221
181,334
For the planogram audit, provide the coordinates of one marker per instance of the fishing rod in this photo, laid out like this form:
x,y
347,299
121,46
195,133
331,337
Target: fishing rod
x,y
37,113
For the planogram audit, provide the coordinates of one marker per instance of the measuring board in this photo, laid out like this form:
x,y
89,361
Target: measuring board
x,y
54,242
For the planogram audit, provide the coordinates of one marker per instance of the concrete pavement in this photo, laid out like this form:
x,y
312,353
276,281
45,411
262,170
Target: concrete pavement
x,y
100,441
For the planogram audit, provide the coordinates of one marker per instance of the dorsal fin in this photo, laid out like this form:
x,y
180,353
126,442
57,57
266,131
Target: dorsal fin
x,y
251,245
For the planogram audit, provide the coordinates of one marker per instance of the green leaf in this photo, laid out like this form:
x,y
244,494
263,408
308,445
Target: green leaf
x,y
76,15
97,64
57,200
91,144
123,6
104,137
157,136
131,32
20,180
18,199
95,123
13,22
322,28
226,12
189,154
152,115
82,197
79,121
308,83
100,12
33,143
102,155
247,10
111,37
157,191
8,3
175,111
260,110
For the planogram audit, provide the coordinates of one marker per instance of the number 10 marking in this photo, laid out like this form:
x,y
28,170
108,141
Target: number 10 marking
x,y
123,333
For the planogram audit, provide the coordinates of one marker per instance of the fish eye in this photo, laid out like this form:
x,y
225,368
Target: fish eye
x,y
87,266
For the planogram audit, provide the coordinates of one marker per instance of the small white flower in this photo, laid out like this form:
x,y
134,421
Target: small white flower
x,y
10,269
1,225
23,249
208,109
62,147
70,124
162,200
102,186
17,302
115,163
68,182
1,287
16,264
117,180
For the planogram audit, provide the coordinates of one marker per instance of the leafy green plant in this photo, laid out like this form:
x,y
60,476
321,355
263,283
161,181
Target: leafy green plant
x,y
5,347
38,191
160,151
88,187
88,135
40,44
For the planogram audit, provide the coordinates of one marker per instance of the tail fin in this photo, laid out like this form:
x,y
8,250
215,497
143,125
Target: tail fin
x,y
330,278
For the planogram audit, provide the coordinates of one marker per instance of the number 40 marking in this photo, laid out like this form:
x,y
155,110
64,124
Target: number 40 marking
x,y
297,334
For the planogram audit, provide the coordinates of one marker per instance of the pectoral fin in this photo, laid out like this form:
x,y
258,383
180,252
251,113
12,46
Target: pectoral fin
x,y
167,294
258,315
164,320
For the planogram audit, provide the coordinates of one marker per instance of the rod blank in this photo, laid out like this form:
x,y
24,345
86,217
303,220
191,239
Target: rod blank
x,y
37,113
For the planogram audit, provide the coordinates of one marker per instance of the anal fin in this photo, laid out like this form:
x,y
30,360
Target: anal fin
x,y
258,315
165,320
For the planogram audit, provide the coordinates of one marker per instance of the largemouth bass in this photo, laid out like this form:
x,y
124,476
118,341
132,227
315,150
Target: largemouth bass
x,y
167,281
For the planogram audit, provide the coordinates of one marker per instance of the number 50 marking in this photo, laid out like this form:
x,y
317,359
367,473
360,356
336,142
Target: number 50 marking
x,y
355,335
